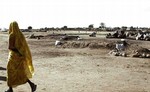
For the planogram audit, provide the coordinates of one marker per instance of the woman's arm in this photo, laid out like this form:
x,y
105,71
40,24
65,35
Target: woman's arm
x,y
11,45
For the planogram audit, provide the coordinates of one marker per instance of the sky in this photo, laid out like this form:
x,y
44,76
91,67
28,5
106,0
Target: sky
x,y
75,13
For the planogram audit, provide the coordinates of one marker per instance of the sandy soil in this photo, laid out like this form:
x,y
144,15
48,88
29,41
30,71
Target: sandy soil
x,y
66,69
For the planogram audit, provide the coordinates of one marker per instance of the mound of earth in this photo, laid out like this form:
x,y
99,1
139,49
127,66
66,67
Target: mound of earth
x,y
88,44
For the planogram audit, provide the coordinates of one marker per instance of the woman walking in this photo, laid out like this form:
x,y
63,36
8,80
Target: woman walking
x,y
19,68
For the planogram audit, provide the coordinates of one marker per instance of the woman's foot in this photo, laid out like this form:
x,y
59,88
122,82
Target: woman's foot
x,y
33,87
9,90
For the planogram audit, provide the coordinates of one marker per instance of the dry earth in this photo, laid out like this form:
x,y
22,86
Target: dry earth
x,y
69,69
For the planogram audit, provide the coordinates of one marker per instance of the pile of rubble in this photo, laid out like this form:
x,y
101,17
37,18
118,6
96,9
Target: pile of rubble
x,y
119,50
32,36
87,44
117,34
116,52
142,53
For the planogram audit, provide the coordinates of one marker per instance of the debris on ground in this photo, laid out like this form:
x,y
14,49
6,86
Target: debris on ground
x,y
67,37
116,52
92,34
142,53
117,34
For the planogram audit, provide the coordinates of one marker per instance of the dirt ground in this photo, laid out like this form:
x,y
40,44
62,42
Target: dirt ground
x,y
81,69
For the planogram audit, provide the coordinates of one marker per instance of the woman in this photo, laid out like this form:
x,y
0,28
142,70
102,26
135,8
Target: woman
x,y
19,68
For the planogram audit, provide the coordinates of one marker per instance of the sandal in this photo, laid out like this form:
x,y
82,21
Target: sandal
x,y
34,87
9,90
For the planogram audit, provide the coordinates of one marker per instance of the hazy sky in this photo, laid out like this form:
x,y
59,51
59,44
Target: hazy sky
x,y
75,13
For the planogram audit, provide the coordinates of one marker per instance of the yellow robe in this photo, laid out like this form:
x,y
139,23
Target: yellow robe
x,y
20,67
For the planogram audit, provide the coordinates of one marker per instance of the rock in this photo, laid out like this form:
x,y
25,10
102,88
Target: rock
x,y
147,55
143,55
124,54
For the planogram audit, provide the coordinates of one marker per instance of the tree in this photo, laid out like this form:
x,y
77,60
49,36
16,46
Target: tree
x,y
29,27
102,26
91,26
124,28
64,28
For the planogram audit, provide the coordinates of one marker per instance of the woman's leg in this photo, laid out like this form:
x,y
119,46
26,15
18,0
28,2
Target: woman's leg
x,y
32,85
9,90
